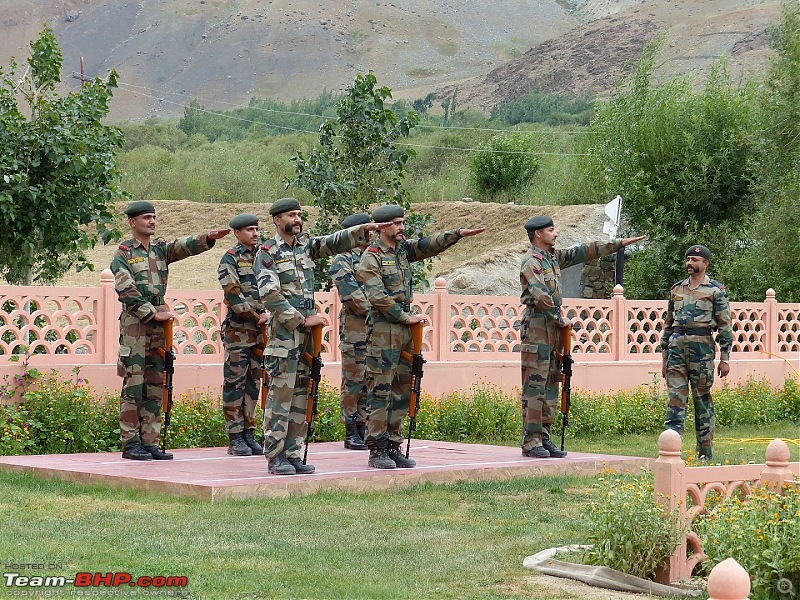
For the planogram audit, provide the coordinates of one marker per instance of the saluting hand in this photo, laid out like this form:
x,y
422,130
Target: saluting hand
x,y
470,232
218,233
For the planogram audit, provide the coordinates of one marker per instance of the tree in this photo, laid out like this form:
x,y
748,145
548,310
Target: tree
x,y
682,162
358,162
58,169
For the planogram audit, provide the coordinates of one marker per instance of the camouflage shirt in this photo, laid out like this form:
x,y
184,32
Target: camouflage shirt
x,y
351,292
238,281
540,275
140,275
386,273
285,277
703,306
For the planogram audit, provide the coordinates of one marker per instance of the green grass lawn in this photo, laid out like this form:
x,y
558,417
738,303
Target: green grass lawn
x,y
464,540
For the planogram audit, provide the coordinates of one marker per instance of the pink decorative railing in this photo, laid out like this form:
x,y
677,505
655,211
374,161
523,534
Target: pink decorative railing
x,y
79,325
687,490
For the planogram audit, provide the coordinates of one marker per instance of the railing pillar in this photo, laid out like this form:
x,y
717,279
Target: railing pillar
x,y
670,492
441,320
620,324
728,581
777,472
771,324
107,319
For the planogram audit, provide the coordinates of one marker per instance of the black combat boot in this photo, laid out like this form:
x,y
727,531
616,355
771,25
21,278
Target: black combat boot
x,y
353,441
536,452
299,467
380,459
237,446
550,446
156,452
136,452
280,465
362,431
399,458
250,440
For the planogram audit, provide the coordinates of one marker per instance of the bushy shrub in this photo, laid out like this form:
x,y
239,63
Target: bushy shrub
x,y
628,531
506,162
761,533
15,435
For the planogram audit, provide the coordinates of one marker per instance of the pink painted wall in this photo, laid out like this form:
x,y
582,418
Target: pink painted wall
x,y
471,339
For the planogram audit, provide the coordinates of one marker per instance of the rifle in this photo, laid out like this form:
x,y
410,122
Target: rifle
x,y
169,371
566,381
258,351
416,361
314,376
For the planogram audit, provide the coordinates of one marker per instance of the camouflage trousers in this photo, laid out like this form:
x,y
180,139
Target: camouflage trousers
x,y
690,361
142,369
541,374
242,372
353,349
285,424
388,383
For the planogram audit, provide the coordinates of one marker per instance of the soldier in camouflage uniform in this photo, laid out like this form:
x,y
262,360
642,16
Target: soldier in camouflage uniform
x,y
542,320
285,276
140,268
352,339
241,334
697,306
385,271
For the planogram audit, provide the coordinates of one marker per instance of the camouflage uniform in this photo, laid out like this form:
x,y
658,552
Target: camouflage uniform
x,y
687,344
386,275
242,368
285,276
352,335
140,280
540,278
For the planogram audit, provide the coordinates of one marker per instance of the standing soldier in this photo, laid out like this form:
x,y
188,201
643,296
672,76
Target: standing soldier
x,y
352,339
241,333
385,271
542,319
285,276
697,306
140,269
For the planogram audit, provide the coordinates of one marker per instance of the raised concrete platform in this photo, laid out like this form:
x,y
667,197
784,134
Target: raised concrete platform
x,y
209,473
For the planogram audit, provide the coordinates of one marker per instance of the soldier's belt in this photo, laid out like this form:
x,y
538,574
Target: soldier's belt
x,y
302,303
406,306
692,330
156,300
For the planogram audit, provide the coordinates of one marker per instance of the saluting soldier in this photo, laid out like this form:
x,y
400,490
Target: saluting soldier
x,y
352,339
241,334
385,271
141,267
697,306
542,320
285,276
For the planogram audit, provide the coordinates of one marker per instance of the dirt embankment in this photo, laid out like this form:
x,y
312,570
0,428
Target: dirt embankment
x,y
483,264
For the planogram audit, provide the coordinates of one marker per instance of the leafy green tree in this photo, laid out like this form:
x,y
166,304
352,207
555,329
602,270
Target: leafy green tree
x,y
58,169
359,162
768,259
504,163
682,162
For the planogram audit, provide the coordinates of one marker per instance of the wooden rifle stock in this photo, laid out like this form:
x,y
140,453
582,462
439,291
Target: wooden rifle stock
x,y
258,351
566,381
315,374
416,361
169,371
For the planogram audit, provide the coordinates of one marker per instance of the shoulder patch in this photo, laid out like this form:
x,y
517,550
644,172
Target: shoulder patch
x,y
677,283
537,255
373,249
718,284
232,251
124,247
268,244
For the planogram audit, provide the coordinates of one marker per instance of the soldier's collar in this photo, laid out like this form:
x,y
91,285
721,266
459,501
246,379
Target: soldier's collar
x,y
384,246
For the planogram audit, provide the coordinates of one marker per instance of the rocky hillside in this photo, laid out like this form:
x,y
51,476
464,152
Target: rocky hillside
x,y
223,52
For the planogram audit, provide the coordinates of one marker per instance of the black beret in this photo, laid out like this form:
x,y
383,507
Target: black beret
x,y
539,222
356,219
140,207
388,212
284,205
698,250
243,220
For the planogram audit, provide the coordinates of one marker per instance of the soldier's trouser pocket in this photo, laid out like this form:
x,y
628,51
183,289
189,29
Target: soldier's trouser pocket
x,y
122,361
